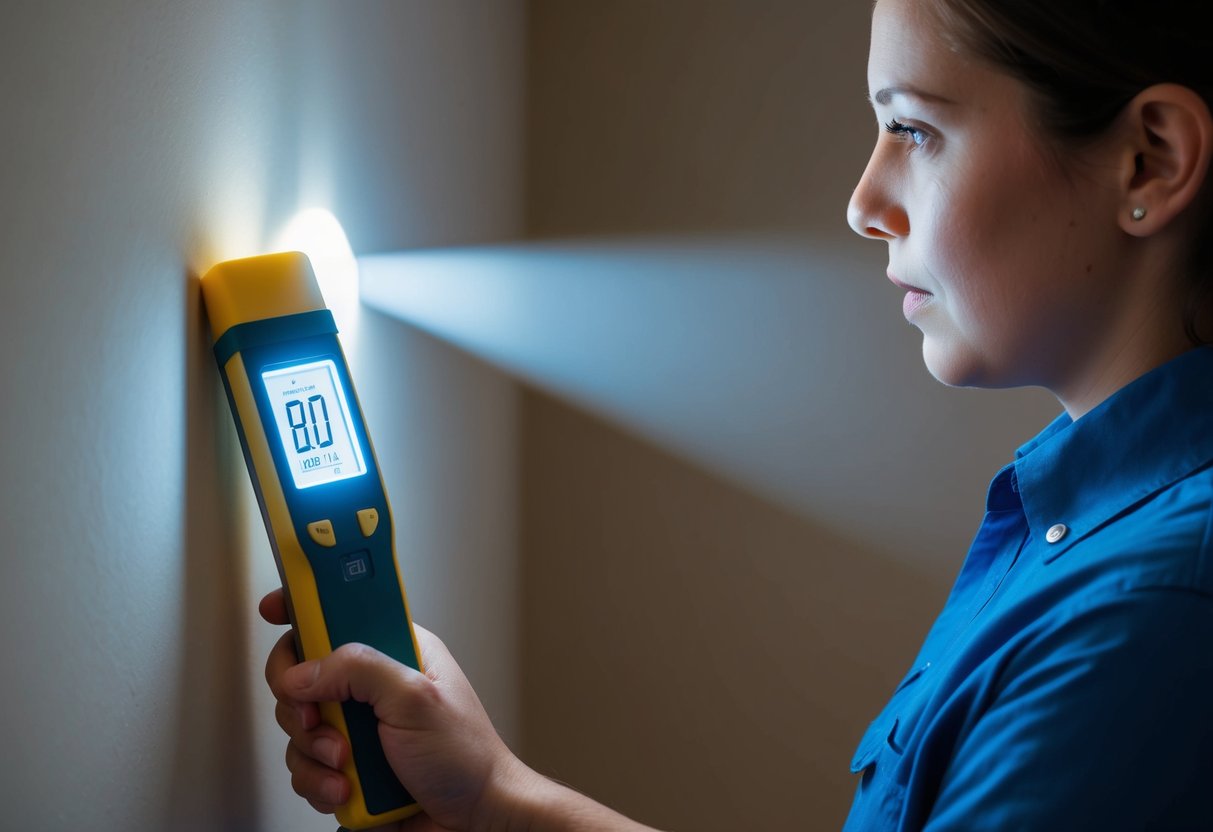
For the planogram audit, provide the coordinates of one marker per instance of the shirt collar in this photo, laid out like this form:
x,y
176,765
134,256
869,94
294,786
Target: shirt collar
x,y
1150,433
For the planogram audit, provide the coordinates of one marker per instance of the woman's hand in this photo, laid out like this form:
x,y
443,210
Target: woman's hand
x,y
435,733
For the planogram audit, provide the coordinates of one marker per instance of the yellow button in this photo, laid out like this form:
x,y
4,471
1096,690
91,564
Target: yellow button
x,y
368,521
322,532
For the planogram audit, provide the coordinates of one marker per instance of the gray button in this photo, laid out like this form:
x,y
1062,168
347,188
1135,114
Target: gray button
x,y
357,566
1056,533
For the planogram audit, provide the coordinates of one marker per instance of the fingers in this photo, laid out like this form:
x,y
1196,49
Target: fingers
x,y
316,752
322,786
321,742
355,671
281,658
324,744
273,607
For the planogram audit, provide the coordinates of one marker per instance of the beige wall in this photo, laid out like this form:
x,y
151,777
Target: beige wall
x,y
693,655
689,115
139,143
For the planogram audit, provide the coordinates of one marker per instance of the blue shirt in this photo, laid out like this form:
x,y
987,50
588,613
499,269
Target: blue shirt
x,y
1068,681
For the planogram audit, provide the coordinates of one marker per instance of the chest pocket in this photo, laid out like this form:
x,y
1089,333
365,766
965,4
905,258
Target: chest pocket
x,y
888,731
880,798
870,745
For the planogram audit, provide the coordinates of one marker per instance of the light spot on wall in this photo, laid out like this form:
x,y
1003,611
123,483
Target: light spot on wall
x,y
318,234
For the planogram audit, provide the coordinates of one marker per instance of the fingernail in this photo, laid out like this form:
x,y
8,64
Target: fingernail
x,y
326,751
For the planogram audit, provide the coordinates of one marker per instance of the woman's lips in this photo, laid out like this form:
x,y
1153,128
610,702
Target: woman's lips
x,y
915,298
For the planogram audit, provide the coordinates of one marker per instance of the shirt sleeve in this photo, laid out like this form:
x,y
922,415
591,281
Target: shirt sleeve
x,y
1103,720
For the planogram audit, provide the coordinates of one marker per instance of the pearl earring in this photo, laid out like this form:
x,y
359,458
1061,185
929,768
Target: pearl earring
x,y
1139,213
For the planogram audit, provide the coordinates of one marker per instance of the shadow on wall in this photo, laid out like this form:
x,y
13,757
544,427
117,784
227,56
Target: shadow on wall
x,y
213,782
694,655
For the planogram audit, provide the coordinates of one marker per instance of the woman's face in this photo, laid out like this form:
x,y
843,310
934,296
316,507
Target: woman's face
x,y
1013,261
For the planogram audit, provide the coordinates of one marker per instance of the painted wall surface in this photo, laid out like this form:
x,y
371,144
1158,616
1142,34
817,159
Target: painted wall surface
x,y
696,656
140,142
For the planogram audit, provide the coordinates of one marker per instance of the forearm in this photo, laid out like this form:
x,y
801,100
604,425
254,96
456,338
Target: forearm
x,y
537,804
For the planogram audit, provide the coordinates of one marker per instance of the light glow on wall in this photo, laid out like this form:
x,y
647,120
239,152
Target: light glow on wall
x,y
318,234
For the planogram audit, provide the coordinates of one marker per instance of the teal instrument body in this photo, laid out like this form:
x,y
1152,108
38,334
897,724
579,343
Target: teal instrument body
x,y
319,488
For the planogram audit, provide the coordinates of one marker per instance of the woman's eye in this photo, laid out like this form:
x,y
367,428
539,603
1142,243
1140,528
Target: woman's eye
x,y
913,133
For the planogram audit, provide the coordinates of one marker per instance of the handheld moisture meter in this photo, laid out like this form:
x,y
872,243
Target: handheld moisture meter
x,y
318,485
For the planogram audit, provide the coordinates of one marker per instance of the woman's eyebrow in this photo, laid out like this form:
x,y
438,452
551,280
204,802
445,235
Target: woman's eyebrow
x,y
886,95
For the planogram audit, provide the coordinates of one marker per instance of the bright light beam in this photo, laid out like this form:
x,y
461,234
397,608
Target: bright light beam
x,y
318,234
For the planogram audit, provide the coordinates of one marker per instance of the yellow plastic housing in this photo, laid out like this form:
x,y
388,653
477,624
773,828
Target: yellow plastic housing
x,y
256,288
252,289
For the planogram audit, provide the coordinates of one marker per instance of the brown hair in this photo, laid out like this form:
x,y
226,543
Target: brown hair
x,y
1084,60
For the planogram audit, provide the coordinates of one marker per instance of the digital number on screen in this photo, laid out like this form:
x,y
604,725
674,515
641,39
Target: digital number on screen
x,y
313,420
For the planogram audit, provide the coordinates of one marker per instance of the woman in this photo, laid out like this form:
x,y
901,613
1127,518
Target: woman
x,y
1042,184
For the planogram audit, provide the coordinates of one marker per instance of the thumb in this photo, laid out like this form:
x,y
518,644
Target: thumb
x,y
362,673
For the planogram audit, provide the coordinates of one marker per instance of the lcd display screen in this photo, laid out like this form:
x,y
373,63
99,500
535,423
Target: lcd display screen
x,y
312,414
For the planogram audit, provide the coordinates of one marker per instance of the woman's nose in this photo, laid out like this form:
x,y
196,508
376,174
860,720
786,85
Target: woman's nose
x,y
872,211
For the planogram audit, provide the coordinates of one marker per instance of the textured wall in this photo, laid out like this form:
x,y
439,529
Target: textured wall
x,y
141,142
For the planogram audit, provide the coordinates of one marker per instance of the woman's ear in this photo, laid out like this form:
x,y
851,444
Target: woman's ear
x,y
1169,134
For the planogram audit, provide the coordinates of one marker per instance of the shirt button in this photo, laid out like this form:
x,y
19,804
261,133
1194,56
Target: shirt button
x,y
1056,533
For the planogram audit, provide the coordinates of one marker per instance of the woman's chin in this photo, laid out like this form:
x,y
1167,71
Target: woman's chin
x,y
951,363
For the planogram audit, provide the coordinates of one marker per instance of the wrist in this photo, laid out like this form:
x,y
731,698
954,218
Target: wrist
x,y
513,798
519,799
